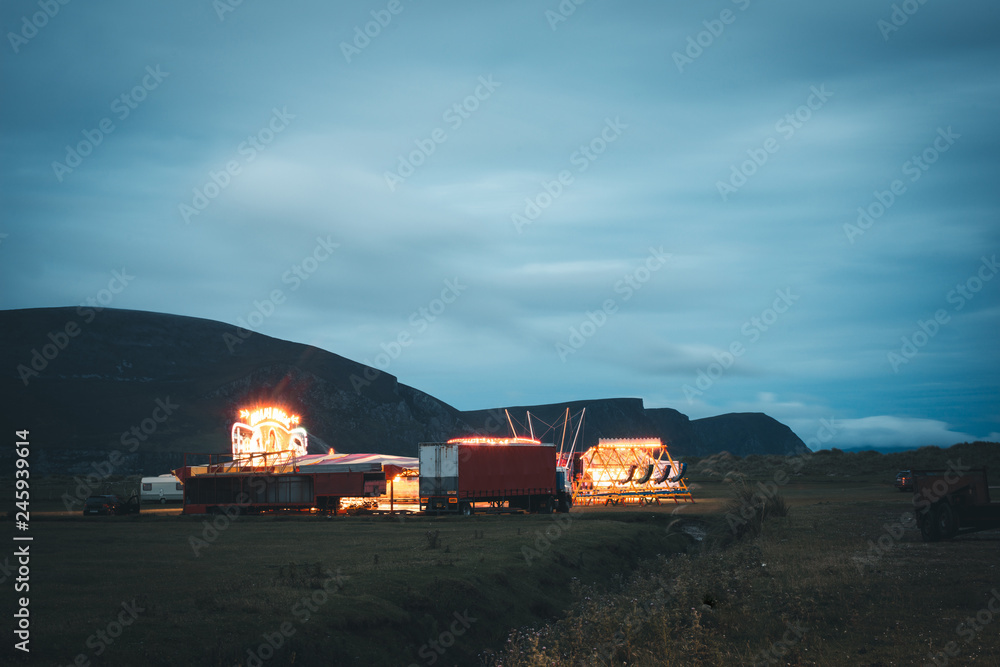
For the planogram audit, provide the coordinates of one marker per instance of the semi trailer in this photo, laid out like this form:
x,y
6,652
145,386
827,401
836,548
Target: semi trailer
x,y
469,475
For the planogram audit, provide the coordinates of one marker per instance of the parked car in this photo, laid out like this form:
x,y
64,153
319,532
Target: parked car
x,y
111,504
102,505
904,480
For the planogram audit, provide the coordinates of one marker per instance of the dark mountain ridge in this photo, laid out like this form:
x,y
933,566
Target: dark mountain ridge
x,y
153,385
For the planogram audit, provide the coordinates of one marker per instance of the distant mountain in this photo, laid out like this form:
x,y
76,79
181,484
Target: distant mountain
x,y
153,386
741,434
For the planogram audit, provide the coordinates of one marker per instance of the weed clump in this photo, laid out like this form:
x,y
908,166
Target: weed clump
x,y
667,612
750,506
433,539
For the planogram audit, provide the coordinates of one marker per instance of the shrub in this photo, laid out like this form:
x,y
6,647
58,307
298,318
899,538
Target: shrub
x,y
750,506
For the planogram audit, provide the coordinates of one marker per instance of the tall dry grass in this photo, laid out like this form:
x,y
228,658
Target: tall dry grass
x,y
695,608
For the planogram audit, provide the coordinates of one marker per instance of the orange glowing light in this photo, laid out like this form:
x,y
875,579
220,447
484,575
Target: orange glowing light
x,y
628,464
628,443
269,436
270,413
476,440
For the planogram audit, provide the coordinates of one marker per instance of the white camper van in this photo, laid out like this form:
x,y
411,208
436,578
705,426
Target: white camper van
x,y
162,489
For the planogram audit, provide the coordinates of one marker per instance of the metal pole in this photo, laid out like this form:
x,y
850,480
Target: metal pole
x,y
513,433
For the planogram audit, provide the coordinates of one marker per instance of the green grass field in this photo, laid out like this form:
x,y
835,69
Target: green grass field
x,y
842,579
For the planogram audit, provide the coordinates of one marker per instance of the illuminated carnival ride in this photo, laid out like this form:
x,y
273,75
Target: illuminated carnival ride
x,y
629,471
270,469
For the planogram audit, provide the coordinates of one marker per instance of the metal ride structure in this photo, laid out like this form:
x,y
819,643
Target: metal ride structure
x,y
629,471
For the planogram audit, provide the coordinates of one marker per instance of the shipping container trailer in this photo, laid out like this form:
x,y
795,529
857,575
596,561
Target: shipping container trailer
x,y
466,475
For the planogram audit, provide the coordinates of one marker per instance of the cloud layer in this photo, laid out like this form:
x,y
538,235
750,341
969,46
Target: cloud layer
x,y
495,183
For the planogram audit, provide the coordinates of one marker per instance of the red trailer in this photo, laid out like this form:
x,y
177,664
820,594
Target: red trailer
x,y
311,483
507,473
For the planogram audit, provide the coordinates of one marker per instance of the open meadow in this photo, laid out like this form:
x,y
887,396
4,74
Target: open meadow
x,y
843,578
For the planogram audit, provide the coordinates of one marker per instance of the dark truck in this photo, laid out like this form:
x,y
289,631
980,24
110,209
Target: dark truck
x,y
952,502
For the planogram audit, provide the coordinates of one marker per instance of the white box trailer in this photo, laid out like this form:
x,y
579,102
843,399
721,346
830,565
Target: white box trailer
x,y
163,489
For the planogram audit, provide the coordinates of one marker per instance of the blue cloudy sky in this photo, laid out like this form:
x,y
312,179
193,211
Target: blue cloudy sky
x,y
724,206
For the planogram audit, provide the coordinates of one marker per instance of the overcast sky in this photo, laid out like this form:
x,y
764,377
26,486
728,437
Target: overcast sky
x,y
533,202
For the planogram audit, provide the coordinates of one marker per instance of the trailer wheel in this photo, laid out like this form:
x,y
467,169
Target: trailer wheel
x,y
946,520
928,528
466,509
939,522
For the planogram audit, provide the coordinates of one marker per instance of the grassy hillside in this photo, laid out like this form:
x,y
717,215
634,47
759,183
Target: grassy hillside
x,y
834,464
842,580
